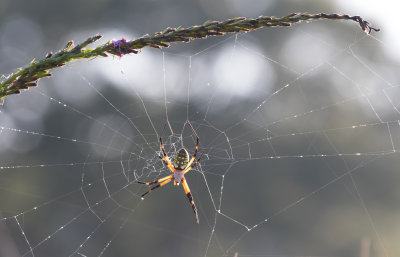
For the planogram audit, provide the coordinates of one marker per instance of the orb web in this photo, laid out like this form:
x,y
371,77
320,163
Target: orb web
x,y
300,142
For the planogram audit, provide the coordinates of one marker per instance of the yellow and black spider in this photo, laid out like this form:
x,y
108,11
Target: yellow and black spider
x,y
178,167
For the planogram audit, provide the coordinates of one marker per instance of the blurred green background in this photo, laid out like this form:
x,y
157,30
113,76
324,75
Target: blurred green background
x,y
308,169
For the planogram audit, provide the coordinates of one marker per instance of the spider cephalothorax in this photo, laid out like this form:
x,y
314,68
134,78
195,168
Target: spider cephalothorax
x,y
179,166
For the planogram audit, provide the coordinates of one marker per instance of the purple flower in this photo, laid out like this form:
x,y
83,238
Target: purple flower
x,y
122,47
118,43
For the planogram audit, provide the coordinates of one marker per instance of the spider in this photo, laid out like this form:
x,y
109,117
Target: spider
x,y
179,167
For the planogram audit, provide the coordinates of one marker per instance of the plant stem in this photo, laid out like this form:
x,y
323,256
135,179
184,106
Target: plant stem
x,y
29,76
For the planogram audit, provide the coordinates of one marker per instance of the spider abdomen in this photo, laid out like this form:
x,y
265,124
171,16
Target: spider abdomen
x,y
181,159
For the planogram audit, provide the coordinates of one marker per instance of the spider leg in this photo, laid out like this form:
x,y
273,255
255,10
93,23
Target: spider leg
x,y
155,181
163,150
193,164
165,159
195,152
157,186
189,196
